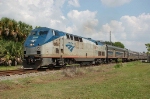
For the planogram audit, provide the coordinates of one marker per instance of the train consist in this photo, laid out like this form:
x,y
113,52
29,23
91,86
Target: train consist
x,y
49,47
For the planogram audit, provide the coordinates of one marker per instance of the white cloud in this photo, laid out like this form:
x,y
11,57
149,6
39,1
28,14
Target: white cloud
x,y
74,3
37,13
63,17
84,21
137,26
131,30
112,27
114,3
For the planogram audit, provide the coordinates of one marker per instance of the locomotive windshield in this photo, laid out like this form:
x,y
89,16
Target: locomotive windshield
x,y
33,33
38,33
43,32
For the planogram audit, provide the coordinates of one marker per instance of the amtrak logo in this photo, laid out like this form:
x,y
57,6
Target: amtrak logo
x,y
70,46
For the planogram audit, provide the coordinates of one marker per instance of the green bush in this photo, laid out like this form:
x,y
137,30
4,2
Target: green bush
x,y
118,65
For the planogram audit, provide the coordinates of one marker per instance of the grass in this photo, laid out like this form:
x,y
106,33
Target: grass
x,y
131,80
9,67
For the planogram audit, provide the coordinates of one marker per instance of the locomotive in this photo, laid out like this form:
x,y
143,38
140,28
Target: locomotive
x,y
49,47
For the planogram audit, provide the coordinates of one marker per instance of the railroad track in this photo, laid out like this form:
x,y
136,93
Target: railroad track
x,y
14,72
26,71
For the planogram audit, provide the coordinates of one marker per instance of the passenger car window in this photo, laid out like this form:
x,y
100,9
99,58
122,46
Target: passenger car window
x,y
80,39
71,37
67,36
76,38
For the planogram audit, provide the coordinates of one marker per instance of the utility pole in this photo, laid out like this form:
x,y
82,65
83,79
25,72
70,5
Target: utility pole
x,y
110,38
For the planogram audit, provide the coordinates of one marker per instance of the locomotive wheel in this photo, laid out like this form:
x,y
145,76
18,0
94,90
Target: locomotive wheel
x,y
90,63
50,67
81,64
64,66
70,62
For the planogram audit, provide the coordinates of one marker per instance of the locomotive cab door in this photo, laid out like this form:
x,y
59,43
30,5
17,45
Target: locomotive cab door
x,y
61,46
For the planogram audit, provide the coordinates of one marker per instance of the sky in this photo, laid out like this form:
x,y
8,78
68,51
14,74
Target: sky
x,y
128,20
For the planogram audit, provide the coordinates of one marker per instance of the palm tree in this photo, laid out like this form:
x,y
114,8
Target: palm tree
x,y
12,36
0,28
5,25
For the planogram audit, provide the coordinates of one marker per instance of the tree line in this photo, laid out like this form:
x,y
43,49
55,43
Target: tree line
x,y
12,36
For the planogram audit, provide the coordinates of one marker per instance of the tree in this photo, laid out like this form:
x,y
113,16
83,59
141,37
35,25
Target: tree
x,y
119,44
13,30
12,36
148,47
109,43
